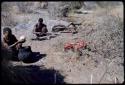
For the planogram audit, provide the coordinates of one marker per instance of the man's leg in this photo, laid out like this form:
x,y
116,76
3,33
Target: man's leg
x,y
37,36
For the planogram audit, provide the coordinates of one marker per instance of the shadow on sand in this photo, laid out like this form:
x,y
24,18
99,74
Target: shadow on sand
x,y
31,75
45,37
36,56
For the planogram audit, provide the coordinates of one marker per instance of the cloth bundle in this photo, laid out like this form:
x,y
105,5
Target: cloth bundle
x,y
75,46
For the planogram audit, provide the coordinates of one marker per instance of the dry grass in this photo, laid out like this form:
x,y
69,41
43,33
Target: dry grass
x,y
104,29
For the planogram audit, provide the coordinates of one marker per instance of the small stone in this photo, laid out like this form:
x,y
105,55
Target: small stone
x,y
83,63
69,70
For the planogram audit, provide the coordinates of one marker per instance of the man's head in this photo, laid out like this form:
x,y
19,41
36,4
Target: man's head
x,y
7,31
40,20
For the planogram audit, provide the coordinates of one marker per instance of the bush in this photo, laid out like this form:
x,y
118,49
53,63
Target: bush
x,y
109,36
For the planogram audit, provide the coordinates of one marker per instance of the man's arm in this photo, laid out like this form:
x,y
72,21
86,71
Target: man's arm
x,y
13,44
7,46
44,29
4,42
34,30
15,40
16,43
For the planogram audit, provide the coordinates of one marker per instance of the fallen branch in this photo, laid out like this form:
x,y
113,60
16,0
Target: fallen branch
x,y
103,75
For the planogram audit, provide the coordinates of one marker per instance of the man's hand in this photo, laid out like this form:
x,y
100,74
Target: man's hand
x,y
5,45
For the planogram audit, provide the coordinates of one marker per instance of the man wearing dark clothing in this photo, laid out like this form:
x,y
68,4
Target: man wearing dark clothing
x,y
40,28
10,42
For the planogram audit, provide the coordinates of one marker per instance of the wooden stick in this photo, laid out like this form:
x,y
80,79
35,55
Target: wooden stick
x,y
66,32
14,44
91,78
115,80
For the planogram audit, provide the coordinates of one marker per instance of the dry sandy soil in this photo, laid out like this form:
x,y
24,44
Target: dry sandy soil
x,y
91,67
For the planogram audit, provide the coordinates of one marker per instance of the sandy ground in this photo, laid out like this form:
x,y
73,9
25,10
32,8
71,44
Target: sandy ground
x,y
84,69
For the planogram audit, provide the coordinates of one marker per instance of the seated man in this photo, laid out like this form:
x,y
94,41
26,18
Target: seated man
x,y
40,28
10,42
